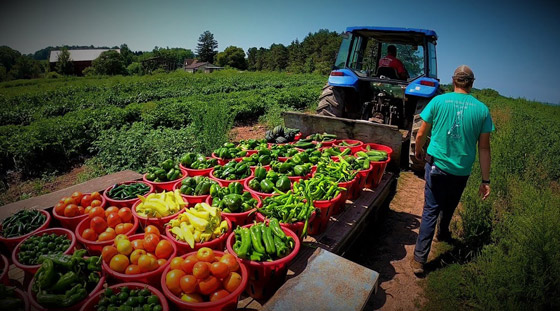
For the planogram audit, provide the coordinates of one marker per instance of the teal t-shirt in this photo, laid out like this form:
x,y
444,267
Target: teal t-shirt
x,y
457,122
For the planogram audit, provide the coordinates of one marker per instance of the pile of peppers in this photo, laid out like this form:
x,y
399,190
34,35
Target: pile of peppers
x,y
197,185
263,157
269,182
232,199
230,151
64,280
232,171
252,144
262,242
318,188
340,171
167,170
288,208
197,161
283,151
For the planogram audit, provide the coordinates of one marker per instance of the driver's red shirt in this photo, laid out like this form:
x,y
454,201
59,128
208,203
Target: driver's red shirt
x,y
392,61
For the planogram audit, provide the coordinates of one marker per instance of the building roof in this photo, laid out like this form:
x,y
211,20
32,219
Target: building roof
x,y
80,55
196,65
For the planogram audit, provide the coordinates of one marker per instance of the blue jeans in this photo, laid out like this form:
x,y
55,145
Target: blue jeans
x,y
441,196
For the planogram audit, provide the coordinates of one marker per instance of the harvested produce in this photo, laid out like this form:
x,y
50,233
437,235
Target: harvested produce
x,y
287,208
262,242
232,171
157,205
269,182
347,144
35,246
167,170
335,151
128,299
376,155
197,161
252,144
340,171
203,276
262,157
283,151
64,280
306,144
138,255
21,223
128,191
322,137
105,224
318,188
201,223
198,185
9,300
230,151
360,161
291,167
232,199
78,204
281,135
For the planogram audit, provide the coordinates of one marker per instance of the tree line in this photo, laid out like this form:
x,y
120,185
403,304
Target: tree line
x,y
314,54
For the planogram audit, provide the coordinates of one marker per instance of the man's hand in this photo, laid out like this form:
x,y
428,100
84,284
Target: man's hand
x,y
484,191
419,154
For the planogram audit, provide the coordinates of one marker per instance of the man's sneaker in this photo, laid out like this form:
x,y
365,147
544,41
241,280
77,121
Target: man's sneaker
x,y
417,267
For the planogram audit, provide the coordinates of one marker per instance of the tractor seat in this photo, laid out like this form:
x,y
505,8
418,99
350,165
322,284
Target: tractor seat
x,y
388,72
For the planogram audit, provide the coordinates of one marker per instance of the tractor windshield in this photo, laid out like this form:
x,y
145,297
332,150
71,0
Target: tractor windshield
x,y
363,54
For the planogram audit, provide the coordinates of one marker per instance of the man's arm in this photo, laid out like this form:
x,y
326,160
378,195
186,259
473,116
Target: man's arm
x,y
484,158
425,128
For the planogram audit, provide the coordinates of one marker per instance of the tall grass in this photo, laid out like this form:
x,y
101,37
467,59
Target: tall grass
x,y
514,236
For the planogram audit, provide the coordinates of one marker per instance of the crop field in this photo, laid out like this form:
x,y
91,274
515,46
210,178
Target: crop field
x,y
133,122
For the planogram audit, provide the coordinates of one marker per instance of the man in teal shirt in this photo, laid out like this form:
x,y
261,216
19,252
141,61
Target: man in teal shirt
x,y
457,122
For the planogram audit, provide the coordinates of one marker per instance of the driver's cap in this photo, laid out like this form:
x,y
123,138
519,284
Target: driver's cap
x,y
463,72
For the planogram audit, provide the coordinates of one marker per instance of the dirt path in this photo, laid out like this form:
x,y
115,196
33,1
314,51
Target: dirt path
x,y
388,248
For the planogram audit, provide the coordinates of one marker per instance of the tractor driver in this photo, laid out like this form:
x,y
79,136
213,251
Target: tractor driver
x,y
391,60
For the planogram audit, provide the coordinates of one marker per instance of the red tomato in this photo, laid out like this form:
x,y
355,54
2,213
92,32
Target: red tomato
x,y
217,295
86,200
68,200
147,263
138,244
188,264
192,298
108,252
59,208
173,280
125,214
96,196
152,229
209,285
232,281
111,209
96,211
135,255
188,284
161,262
119,263
164,249
89,235
71,210
119,229
77,196
81,210
219,269
201,270
95,203
113,220
132,269
230,261
86,210
175,263
150,242
98,224
108,235
205,254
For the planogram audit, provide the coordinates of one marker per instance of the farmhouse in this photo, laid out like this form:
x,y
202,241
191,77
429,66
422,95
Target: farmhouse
x,y
80,58
193,65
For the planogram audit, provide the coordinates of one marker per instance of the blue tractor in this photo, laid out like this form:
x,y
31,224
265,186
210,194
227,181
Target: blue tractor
x,y
363,86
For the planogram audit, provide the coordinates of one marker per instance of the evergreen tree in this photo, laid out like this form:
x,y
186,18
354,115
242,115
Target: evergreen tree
x,y
206,48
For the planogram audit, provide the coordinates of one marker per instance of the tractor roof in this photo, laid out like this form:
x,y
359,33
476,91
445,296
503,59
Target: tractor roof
x,y
394,34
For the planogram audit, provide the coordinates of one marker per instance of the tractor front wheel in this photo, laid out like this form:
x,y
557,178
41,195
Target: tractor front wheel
x,y
331,102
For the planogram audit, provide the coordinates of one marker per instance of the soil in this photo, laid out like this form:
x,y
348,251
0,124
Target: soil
x,y
247,132
388,246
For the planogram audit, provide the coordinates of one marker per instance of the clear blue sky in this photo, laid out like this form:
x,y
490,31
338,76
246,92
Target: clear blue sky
x,y
512,46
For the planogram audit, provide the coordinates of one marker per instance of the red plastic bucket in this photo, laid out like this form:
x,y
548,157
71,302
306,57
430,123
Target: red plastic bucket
x,y
94,247
380,147
227,303
240,219
90,304
23,296
225,182
196,172
5,268
31,269
377,171
296,227
36,306
11,243
345,195
265,277
158,222
125,203
191,199
218,243
150,278
164,185
71,223
362,177
220,160
325,207
354,149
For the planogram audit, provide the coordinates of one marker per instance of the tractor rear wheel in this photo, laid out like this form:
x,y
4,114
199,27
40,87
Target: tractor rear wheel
x,y
331,102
